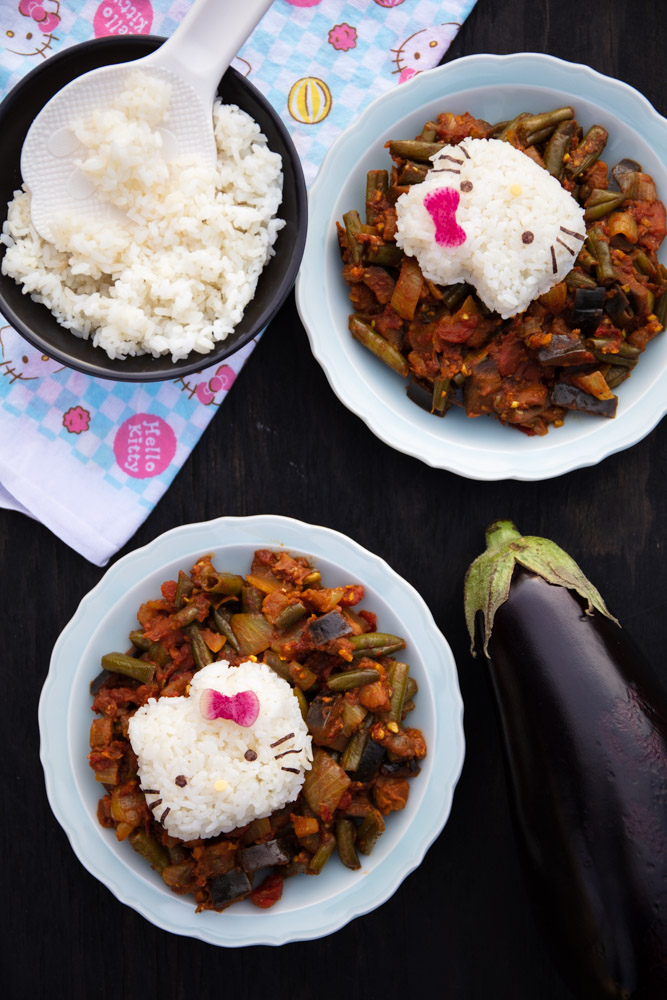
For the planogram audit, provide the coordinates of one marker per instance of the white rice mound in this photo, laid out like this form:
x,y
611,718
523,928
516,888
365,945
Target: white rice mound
x,y
178,261
511,195
223,790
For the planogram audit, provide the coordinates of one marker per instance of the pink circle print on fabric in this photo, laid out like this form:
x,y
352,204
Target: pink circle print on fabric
x,y
120,17
144,445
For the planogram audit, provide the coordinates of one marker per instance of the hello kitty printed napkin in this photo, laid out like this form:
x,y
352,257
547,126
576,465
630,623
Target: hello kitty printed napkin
x,y
91,458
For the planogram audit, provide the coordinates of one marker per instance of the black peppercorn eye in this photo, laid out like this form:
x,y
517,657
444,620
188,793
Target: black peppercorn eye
x,y
466,186
527,237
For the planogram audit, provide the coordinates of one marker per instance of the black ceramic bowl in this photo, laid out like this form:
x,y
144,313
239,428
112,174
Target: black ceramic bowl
x,y
37,324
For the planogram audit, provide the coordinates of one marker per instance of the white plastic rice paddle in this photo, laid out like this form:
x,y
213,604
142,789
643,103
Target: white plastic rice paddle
x,y
193,61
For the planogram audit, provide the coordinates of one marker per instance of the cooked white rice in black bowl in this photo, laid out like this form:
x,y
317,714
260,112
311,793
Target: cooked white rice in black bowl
x,y
203,265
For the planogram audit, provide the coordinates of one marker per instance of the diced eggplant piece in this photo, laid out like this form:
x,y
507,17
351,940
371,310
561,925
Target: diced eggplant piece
x,y
421,394
588,306
325,722
564,350
228,888
371,759
330,626
617,306
98,681
623,169
266,855
401,768
576,399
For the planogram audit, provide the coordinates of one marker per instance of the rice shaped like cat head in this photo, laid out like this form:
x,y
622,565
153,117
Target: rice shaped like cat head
x,y
489,215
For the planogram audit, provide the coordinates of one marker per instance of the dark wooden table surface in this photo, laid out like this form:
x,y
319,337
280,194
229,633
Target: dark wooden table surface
x,y
460,926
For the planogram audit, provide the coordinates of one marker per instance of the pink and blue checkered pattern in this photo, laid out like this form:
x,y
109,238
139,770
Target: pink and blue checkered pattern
x,y
91,458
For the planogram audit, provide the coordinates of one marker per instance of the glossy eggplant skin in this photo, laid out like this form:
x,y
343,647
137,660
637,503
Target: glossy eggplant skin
x,y
584,724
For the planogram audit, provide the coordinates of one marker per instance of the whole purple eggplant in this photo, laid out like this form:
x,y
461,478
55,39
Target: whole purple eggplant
x,y
584,725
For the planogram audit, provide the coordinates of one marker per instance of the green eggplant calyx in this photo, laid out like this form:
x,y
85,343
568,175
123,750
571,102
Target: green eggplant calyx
x,y
488,580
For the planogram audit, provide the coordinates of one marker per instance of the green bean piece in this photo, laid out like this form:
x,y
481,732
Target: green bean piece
x,y
547,119
224,627
129,666
185,616
511,127
356,745
139,640
322,854
411,687
429,132
586,259
453,295
184,588
440,394
414,149
158,654
497,129
278,665
200,651
625,356
643,263
303,702
301,676
576,279
535,138
616,375
557,147
352,679
412,173
398,676
372,825
588,151
353,229
150,849
661,309
370,640
376,651
377,185
346,833
252,599
599,248
384,255
229,584
601,203
377,344
290,615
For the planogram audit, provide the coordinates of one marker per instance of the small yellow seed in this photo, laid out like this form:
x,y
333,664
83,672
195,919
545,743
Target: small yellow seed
x,y
392,726
220,785
515,189
252,658
514,404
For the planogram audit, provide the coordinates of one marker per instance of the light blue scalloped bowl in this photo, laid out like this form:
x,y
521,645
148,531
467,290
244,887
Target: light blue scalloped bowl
x,y
494,88
311,907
